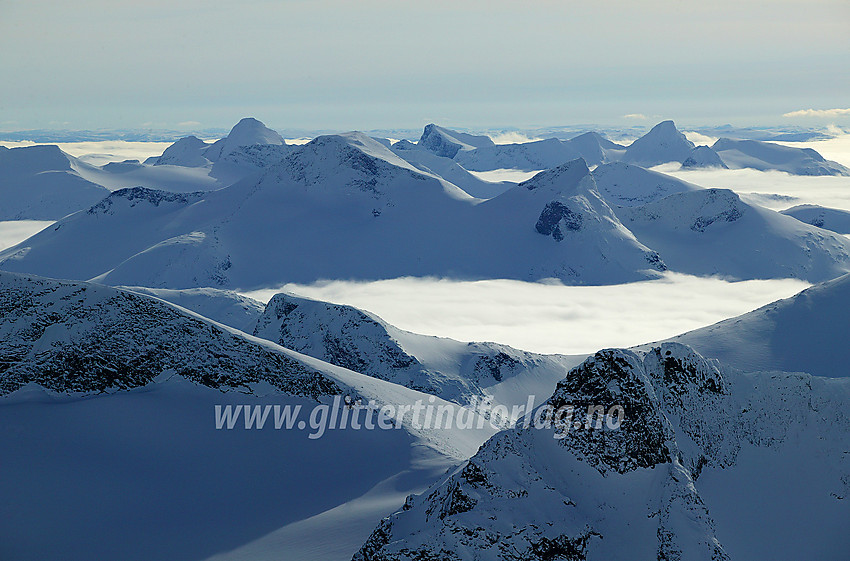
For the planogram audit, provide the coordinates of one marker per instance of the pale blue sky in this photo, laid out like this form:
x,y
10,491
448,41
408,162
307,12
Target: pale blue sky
x,y
375,64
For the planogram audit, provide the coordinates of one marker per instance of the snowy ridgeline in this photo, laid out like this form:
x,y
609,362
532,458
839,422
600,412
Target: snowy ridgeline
x,y
695,471
372,214
708,464
42,182
82,337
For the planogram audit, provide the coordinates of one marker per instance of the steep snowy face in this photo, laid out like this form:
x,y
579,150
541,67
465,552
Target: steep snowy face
x,y
832,219
449,170
804,333
596,149
247,132
41,183
703,157
664,143
186,152
80,337
447,143
711,231
768,156
656,487
567,208
623,184
354,339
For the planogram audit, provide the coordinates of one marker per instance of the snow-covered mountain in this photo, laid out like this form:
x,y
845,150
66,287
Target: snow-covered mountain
x,y
41,183
447,143
707,464
623,184
804,333
704,157
369,213
448,169
541,154
713,232
80,337
149,458
455,371
187,152
663,143
833,219
223,306
769,156
527,156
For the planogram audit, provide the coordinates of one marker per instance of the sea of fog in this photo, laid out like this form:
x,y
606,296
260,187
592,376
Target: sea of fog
x,y
550,317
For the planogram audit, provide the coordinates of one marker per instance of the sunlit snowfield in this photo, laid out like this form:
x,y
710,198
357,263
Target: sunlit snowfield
x,y
551,317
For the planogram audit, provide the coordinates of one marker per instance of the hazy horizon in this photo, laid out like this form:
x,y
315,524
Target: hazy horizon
x,y
377,64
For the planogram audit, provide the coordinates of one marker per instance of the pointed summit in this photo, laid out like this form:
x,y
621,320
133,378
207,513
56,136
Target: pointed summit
x,y
664,143
448,143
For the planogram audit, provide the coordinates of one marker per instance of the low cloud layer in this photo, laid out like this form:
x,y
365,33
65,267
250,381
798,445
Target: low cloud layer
x,y
551,318
13,232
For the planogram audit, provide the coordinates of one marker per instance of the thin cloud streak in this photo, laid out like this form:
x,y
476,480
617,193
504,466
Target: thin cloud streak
x,y
828,113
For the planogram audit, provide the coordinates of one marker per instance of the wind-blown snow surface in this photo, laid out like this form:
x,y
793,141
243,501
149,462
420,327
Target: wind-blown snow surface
x,y
804,333
100,473
708,464
712,231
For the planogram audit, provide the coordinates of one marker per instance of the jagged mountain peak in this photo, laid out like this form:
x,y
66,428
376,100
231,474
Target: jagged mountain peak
x,y
448,143
663,143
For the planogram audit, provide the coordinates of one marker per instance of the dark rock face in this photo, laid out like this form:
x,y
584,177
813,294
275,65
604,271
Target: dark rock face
x,y
525,496
349,337
615,377
135,195
555,215
76,337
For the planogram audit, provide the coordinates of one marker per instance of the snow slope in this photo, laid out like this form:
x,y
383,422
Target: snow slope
x,y
541,154
804,333
124,445
713,232
684,477
40,183
448,169
452,370
627,185
827,218
767,155
369,213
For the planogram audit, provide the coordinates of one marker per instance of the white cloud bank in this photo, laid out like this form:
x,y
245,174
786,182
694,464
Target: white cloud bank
x,y
824,113
550,318
13,232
